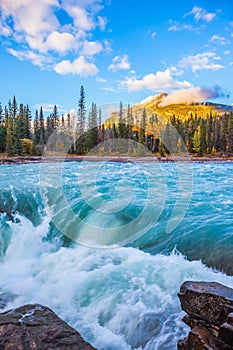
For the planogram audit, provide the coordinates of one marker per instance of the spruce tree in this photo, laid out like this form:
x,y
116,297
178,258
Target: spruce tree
x,y
203,136
92,134
55,118
81,123
14,107
100,117
230,135
223,134
2,131
9,137
209,133
28,120
42,127
120,127
68,121
197,142
82,110
36,129
142,130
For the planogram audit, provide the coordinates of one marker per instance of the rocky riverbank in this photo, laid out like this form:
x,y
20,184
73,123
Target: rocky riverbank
x,y
123,158
209,308
36,327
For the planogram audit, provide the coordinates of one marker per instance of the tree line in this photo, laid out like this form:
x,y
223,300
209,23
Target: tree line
x,y
20,134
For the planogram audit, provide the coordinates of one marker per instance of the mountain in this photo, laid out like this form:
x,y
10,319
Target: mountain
x,y
156,104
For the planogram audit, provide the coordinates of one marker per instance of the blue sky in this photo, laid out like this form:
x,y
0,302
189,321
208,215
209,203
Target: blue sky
x,y
119,50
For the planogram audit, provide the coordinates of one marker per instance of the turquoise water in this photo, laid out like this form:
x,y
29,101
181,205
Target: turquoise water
x,y
107,245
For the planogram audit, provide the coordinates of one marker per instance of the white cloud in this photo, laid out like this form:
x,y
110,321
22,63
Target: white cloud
x,y
200,13
91,48
107,46
191,95
101,80
102,22
78,67
153,35
227,52
5,30
37,59
178,27
59,42
175,71
35,26
231,64
30,17
119,62
82,19
218,39
160,81
206,60
111,89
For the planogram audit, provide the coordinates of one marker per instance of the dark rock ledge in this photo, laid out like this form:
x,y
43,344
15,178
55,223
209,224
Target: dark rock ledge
x,y
36,327
209,308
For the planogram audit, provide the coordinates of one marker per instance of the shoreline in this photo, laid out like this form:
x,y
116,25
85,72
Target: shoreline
x,y
123,159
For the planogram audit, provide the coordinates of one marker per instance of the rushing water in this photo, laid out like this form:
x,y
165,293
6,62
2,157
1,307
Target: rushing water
x,y
144,229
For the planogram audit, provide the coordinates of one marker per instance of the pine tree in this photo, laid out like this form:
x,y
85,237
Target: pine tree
x,y
49,128
20,123
62,121
81,123
100,117
216,134
167,138
36,129
142,130
14,107
81,110
68,121
92,134
162,150
2,131
210,133
101,128
223,134
42,127
1,114
203,144
120,127
197,142
230,135
55,118
9,137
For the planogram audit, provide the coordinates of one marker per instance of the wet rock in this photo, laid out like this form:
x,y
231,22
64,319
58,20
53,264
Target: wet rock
x,y
226,331
209,308
38,327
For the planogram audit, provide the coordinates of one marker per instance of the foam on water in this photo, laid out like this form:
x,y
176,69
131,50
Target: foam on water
x,y
118,299
123,298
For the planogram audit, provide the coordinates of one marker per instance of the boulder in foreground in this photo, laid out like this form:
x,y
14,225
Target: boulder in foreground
x,y
36,327
209,308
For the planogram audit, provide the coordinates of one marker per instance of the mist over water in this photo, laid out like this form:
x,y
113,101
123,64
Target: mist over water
x,y
123,297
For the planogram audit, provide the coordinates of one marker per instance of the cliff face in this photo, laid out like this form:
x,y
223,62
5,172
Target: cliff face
x,y
209,308
36,327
